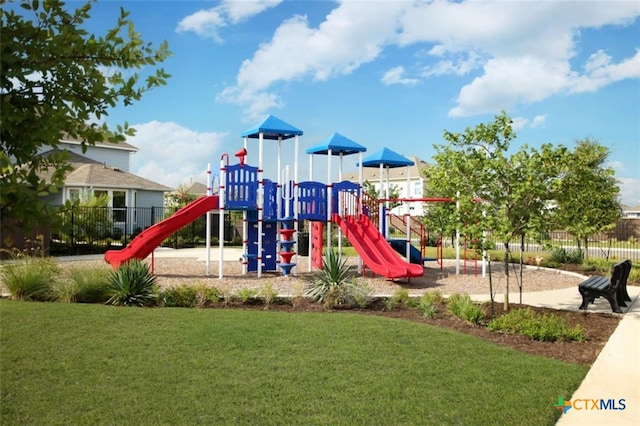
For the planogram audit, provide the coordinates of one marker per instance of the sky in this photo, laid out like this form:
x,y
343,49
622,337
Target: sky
x,y
393,74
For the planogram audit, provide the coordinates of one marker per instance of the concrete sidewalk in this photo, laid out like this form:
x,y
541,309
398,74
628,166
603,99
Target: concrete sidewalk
x,y
615,375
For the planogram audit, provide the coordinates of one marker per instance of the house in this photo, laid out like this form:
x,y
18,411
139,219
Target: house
x,y
104,169
629,212
413,188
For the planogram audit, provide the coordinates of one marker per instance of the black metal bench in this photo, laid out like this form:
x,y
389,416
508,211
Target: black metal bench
x,y
613,289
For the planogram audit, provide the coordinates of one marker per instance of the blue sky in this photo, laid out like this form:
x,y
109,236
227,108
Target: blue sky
x,y
383,73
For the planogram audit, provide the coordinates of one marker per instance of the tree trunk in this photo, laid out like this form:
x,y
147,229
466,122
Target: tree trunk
x,y
586,250
507,258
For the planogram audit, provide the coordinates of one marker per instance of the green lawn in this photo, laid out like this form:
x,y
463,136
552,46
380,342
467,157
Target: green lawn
x,y
94,364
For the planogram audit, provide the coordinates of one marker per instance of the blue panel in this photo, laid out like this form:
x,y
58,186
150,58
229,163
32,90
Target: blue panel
x,y
312,201
241,187
269,243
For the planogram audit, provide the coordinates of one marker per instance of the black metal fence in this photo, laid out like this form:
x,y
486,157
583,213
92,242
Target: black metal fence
x,y
90,230
623,242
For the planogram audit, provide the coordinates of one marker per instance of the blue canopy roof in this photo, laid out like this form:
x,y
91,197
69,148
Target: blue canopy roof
x,y
387,158
272,128
338,144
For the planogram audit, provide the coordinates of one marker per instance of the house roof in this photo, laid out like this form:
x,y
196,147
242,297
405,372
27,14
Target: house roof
x,y
117,145
338,144
87,172
272,128
197,188
372,174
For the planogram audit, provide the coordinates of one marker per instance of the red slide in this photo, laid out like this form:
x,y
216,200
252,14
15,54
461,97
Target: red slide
x,y
142,245
376,252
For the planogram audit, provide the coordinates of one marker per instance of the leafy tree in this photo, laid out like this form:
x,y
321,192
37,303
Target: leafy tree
x,y
370,190
60,81
587,200
506,194
179,198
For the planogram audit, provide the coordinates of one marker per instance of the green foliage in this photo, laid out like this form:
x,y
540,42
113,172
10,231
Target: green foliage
x,y
432,298
268,294
54,85
84,285
132,284
401,295
429,302
561,256
205,295
495,188
246,294
370,190
182,296
587,197
329,281
463,307
542,327
362,294
30,278
558,255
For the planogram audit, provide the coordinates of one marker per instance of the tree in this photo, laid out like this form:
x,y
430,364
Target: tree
x,y
60,81
507,195
585,177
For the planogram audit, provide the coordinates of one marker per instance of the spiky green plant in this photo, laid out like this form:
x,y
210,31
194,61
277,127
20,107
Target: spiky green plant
x,y
132,284
335,275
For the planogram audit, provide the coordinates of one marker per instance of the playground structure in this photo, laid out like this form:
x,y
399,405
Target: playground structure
x,y
273,211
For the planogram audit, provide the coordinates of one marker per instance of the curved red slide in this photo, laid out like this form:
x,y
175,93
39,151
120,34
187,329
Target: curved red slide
x,y
376,252
142,245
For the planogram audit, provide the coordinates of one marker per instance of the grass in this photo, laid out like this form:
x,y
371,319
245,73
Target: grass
x,y
96,364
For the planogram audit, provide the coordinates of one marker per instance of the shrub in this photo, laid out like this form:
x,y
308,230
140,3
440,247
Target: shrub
x,y
542,327
575,256
268,294
428,304
340,296
428,310
182,296
30,278
206,295
463,307
390,303
558,255
335,274
431,298
401,295
132,284
362,294
246,294
85,285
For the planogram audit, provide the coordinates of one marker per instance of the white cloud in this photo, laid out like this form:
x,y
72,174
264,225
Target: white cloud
x,y
629,191
599,72
208,22
396,76
539,120
352,34
519,123
171,154
459,64
522,50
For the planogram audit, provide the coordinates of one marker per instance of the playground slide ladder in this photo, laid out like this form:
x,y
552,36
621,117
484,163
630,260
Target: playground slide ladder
x,y
417,230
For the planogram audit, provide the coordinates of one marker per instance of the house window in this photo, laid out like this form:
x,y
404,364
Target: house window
x,y
417,188
119,204
74,194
